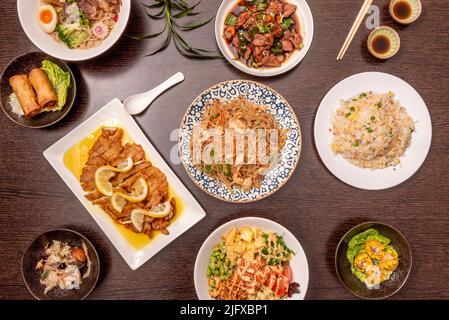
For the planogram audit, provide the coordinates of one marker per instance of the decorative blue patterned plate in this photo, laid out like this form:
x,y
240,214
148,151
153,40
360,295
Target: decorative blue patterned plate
x,y
282,112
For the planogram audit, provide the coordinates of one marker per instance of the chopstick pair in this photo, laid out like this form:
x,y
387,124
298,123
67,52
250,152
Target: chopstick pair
x,y
355,27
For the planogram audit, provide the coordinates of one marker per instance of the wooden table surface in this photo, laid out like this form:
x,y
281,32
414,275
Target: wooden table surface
x,y
314,205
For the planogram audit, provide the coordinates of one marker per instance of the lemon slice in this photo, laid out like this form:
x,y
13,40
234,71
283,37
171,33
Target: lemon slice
x,y
125,166
118,202
139,193
102,177
160,211
137,219
105,173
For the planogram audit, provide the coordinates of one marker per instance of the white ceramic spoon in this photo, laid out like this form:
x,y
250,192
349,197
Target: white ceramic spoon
x,y
139,102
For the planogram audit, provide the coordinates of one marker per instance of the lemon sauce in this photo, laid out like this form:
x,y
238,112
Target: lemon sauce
x,y
74,160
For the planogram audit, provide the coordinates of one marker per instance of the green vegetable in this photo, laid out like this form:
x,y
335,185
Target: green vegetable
x,y
276,51
369,130
363,95
277,48
373,118
71,34
59,79
228,172
352,109
260,5
84,20
379,105
219,264
356,143
231,20
287,23
348,115
263,28
241,35
172,11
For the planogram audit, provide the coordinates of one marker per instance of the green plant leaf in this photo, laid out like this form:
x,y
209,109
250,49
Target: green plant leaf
x,y
193,25
149,36
172,10
162,46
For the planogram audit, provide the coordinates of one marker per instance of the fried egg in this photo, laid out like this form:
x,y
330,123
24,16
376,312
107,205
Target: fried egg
x,y
47,18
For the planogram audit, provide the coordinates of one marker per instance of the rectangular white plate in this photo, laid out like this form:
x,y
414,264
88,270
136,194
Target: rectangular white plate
x,y
192,211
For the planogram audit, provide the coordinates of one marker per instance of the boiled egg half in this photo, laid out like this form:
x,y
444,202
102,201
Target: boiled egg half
x,y
47,18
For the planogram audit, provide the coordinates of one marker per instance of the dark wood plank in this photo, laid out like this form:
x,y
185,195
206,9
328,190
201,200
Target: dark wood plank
x,y
314,205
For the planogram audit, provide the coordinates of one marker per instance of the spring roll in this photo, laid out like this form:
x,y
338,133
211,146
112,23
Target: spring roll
x,y
26,95
46,94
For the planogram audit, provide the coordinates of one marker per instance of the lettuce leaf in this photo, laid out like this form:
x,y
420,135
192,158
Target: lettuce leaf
x,y
59,79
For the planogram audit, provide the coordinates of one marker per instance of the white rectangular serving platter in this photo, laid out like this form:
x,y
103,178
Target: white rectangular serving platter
x,y
192,211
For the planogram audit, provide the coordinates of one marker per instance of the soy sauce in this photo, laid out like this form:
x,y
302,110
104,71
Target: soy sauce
x,y
381,44
402,10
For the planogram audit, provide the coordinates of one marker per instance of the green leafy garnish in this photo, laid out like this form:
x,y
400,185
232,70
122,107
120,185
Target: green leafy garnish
x,y
231,20
172,11
60,80
287,23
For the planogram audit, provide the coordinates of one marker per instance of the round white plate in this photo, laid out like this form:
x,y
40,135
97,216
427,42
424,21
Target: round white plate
x,y
27,10
298,264
414,156
307,29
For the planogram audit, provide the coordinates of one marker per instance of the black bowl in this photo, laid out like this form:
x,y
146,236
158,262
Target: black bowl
x,y
35,252
23,65
397,279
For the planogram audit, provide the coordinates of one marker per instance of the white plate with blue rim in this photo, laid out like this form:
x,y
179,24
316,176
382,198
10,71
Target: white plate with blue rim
x,y
415,154
277,107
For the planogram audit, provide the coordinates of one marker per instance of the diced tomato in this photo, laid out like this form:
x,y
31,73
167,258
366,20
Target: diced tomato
x,y
116,18
282,286
288,273
271,281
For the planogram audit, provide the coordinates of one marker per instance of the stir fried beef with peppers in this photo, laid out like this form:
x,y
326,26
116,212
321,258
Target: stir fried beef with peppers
x,y
264,33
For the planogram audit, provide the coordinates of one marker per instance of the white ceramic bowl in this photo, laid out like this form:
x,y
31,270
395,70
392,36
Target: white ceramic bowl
x,y
298,264
307,29
27,10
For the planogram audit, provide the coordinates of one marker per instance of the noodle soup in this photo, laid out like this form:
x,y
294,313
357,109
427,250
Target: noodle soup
x,y
82,24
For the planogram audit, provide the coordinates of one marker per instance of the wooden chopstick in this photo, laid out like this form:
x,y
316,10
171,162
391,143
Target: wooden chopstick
x,y
355,27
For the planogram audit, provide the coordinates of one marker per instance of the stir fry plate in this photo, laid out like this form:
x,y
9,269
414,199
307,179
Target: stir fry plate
x,y
283,114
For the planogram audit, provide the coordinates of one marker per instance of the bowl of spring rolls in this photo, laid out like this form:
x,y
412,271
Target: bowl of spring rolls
x,y
37,90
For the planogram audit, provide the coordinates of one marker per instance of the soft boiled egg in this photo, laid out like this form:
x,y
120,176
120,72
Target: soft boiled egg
x,y
47,18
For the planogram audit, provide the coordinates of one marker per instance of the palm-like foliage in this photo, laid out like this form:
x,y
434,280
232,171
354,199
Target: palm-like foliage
x,y
172,11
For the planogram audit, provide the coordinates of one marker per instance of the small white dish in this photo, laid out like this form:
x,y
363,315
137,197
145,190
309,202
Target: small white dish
x,y
298,264
116,113
27,10
414,156
307,30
